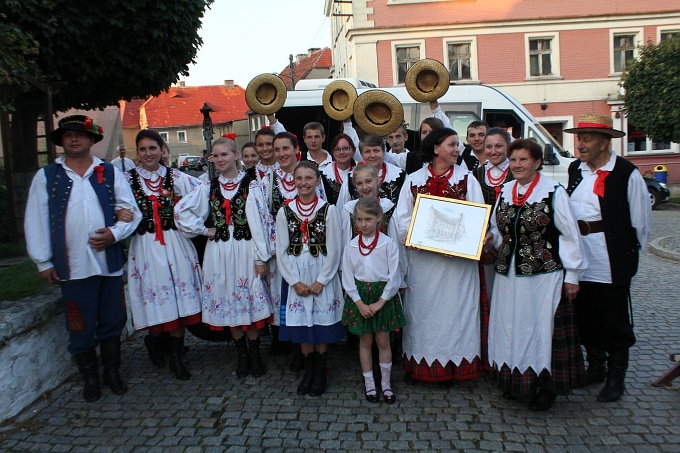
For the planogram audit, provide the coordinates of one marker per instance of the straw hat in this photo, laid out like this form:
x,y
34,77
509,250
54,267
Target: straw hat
x,y
266,94
338,99
378,112
592,122
80,123
427,80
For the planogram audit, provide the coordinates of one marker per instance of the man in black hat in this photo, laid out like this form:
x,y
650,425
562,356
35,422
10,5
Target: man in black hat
x,y
74,238
610,201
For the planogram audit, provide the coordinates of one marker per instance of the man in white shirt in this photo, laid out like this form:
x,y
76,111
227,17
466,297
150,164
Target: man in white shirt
x,y
73,236
397,140
121,162
314,136
474,155
610,201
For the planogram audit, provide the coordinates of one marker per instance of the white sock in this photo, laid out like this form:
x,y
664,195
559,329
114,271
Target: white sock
x,y
369,382
385,370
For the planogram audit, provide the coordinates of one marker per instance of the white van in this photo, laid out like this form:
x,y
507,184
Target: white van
x,y
462,103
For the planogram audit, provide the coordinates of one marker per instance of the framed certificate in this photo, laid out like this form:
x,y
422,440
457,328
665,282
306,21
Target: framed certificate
x,y
448,226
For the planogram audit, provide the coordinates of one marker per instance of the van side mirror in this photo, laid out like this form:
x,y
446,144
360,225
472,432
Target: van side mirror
x,y
549,156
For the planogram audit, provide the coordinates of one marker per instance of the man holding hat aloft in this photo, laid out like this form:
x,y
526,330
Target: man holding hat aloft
x,y
610,199
74,238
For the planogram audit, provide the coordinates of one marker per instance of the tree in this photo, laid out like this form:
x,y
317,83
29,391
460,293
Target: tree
x,y
652,90
104,51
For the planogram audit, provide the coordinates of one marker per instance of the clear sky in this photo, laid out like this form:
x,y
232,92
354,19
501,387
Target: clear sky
x,y
245,38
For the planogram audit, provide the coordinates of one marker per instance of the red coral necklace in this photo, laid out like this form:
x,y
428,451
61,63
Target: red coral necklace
x,y
289,186
228,186
154,186
306,209
519,200
368,247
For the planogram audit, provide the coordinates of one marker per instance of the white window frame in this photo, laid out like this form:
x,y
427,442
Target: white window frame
x,y
165,136
639,34
399,44
674,147
661,30
179,140
474,68
554,55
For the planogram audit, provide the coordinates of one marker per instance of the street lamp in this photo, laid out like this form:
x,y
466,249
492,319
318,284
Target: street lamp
x,y
208,136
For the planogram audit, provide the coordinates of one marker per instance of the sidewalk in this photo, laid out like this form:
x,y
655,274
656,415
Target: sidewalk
x,y
215,411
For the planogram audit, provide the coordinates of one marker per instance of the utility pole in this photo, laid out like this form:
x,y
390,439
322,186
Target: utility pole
x,y
292,73
208,136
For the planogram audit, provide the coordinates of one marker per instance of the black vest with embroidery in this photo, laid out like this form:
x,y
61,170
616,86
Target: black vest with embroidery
x,y
488,191
238,210
332,188
278,200
167,200
530,236
316,230
457,191
623,246
389,190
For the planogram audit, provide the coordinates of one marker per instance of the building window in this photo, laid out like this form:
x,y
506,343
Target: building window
x,y
540,57
460,58
639,142
624,50
165,137
668,35
181,136
406,57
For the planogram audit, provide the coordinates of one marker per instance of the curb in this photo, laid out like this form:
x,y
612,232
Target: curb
x,y
658,248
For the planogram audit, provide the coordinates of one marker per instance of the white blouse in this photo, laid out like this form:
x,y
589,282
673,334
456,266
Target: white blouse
x,y
381,265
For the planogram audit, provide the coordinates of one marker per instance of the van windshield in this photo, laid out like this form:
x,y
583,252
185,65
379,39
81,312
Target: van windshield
x,y
556,146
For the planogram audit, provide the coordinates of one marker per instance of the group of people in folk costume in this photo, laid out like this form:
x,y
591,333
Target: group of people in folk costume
x,y
314,246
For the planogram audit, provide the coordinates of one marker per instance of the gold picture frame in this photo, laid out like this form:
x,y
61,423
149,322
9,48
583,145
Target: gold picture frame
x,y
448,226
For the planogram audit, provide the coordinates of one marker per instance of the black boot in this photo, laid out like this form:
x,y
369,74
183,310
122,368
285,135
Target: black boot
x,y
155,349
617,364
306,382
89,370
256,365
319,383
242,367
297,360
597,369
110,349
542,400
177,364
397,349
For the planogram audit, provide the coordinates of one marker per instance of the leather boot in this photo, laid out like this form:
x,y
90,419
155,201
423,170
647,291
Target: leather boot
x,y
177,364
89,370
155,349
319,383
617,364
256,365
296,360
110,349
306,382
597,369
242,367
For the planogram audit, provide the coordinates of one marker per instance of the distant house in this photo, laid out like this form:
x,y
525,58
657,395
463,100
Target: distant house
x,y
176,115
315,64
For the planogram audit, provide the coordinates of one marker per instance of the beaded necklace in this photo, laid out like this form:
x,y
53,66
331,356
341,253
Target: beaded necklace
x,y
519,200
369,247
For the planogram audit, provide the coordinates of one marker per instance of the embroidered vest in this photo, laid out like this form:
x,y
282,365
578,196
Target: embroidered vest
x,y
58,186
488,191
316,228
389,190
332,188
623,247
277,198
238,210
167,200
457,191
530,236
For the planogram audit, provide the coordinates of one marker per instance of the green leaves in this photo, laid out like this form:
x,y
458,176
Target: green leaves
x,y
652,90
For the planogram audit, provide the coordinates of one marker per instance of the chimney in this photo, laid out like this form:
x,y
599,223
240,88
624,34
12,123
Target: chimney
x,y
311,50
299,57
229,83
182,83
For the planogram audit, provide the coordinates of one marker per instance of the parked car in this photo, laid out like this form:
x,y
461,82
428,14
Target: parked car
x,y
199,165
658,192
185,161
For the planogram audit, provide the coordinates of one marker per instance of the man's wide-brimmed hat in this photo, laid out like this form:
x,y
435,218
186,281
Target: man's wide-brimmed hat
x,y
266,94
378,112
592,122
427,80
338,99
80,123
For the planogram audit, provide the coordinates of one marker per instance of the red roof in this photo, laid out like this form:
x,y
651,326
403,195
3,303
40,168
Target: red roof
x,y
129,112
320,59
181,106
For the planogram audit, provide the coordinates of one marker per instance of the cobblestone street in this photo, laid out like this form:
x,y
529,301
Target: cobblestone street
x,y
215,411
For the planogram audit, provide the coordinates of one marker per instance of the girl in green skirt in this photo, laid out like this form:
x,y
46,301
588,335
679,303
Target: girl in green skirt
x,y
371,279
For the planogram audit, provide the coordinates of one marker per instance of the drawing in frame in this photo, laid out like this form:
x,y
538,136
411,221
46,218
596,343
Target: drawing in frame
x,y
448,226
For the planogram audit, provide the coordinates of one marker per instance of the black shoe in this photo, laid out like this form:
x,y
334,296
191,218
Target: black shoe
x,y
372,397
617,364
256,366
89,370
408,379
318,387
110,349
306,382
177,364
389,399
542,401
243,365
155,349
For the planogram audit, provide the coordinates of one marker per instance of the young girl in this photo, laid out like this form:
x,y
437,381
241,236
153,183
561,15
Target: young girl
x,y
235,296
308,251
371,278
249,156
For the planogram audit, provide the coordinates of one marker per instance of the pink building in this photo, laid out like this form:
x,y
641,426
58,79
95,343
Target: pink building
x,y
558,58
